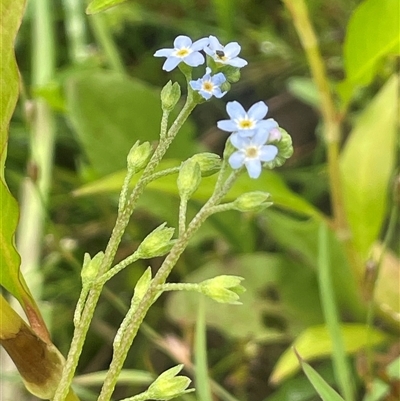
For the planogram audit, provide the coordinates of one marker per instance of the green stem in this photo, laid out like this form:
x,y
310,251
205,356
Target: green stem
x,y
111,249
331,315
103,37
160,278
76,30
309,41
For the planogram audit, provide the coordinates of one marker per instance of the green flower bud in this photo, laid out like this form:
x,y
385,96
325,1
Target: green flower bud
x,y
209,163
139,155
170,96
231,73
157,243
285,147
91,267
189,178
252,201
168,385
142,285
223,289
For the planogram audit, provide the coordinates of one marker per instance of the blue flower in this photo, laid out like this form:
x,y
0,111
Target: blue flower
x,y
251,152
246,123
209,85
226,55
184,50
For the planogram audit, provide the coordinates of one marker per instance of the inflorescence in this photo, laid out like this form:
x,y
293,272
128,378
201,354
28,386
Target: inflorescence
x,y
255,139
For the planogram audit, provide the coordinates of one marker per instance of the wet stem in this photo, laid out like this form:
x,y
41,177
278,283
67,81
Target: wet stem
x,y
122,221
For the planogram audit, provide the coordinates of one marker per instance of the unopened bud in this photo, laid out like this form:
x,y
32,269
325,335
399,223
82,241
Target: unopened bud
x,y
189,178
168,385
209,163
170,96
284,145
142,285
252,201
223,289
139,155
91,267
157,243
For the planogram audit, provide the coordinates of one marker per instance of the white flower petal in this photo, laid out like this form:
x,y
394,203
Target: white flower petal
x,y
235,110
260,137
258,111
268,153
227,125
163,53
200,44
232,49
239,142
194,59
236,159
170,63
182,41
253,167
214,43
237,62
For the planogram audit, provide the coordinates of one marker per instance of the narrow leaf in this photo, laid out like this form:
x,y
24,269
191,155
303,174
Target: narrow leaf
x,y
326,392
367,163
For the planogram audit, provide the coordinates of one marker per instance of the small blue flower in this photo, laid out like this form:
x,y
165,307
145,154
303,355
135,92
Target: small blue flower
x,y
226,55
246,123
209,85
184,50
252,152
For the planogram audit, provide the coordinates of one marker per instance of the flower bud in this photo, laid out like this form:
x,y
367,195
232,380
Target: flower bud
x,y
142,285
139,155
252,201
209,163
170,96
231,73
157,243
168,385
284,145
189,178
223,289
91,267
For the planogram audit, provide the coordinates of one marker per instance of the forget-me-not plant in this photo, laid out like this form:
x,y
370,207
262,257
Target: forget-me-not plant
x,y
254,144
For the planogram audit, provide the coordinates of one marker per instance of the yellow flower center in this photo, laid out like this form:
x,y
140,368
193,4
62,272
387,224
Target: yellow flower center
x,y
252,152
208,86
182,52
246,124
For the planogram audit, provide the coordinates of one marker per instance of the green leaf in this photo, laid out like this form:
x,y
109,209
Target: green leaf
x,y
11,278
95,6
303,244
326,392
315,343
366,42
110,111
367,164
